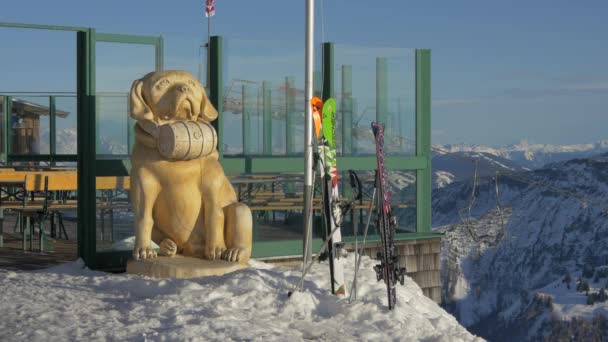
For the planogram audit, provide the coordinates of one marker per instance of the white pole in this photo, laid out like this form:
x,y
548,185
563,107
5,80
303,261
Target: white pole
x,y
308,158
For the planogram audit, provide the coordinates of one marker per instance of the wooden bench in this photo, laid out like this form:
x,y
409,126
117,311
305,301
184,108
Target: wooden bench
x,y
35,208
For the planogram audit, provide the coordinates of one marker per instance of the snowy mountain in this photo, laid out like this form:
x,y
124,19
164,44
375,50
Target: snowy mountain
x,y
507,254
460,166
70,302
66,142
533,156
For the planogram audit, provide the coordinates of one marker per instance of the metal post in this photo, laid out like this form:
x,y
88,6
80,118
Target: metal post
x,y
381,89
53,128
267,117
308,160
246,119
290,126
423,139
8,113
85,66
328,71
346,109
216,84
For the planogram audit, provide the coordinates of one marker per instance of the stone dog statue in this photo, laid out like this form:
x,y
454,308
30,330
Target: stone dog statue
x,y
181,198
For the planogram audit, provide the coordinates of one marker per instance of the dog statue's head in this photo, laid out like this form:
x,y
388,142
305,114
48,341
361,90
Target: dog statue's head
x,y
169,96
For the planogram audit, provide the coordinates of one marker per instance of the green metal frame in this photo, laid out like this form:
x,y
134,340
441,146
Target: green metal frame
x,y
420,163
423,139
89,167
119,167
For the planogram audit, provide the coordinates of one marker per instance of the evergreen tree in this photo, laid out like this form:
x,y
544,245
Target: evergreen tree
x,y
585,287
567,279
602,296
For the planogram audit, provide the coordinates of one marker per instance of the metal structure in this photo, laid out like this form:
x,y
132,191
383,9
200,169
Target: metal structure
x,y
261,161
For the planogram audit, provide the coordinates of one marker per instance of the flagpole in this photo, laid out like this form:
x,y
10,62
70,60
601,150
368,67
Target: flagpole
x,y
208,46
308,157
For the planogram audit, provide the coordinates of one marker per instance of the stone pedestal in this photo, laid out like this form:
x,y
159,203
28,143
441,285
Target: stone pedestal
x,y
181,267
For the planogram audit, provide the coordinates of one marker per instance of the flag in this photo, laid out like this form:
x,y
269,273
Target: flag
x,y
209,8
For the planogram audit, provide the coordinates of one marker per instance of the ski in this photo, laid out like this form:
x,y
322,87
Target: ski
x,y
388,269
332,211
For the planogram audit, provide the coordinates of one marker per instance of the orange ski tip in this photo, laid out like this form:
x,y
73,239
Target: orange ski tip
x,y
316,103
317,107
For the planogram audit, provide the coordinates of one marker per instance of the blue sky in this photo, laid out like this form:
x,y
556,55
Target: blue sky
x,y
502,71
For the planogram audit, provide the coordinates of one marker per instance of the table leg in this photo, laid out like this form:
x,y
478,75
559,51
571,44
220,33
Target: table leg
x,y
1,227
41,237
28,226
23,231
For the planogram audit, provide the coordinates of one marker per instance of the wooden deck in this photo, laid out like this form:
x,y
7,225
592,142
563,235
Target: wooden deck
x,y
13,258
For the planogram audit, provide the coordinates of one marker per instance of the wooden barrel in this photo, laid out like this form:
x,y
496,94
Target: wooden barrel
x,y
185,140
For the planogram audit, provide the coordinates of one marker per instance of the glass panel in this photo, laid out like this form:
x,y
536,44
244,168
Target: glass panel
x,y
115,222
30,125
114,124
118,65
260,82
374,84
277,206
38,61
30,73
402,190
65,125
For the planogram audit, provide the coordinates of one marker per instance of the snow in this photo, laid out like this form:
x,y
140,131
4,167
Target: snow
x,y
70,302
443,178
529,154
569,303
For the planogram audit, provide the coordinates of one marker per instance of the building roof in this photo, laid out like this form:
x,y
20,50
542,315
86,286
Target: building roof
x,y
31,108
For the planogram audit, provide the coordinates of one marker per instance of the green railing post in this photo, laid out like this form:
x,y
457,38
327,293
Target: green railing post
x,y
247,101
423,139
328,70
290,125
346,108
98,109
85,66
159,54
267,117
8,134
354,110
53,128
216,88
130,132
381,90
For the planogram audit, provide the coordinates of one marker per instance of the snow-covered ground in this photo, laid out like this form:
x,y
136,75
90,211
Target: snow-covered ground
x,y
569,303
70,302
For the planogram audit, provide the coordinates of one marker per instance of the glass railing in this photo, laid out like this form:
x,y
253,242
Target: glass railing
x,y
263,106
375,84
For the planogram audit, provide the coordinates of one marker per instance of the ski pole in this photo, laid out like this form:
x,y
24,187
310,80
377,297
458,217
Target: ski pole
x,y
300,284
369,218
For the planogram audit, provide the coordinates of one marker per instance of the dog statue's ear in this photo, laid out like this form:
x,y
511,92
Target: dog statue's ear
x,y
208,112
137,105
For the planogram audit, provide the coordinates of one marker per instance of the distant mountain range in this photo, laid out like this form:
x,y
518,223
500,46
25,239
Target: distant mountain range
x,y
66,143
531,155
454,163
515,251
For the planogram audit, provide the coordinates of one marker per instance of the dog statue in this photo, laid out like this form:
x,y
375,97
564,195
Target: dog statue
x,y
181,198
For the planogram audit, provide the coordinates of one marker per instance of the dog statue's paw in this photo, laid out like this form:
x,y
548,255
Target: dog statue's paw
x,y
168,248
214,252
235,254
144,253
